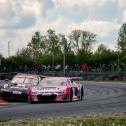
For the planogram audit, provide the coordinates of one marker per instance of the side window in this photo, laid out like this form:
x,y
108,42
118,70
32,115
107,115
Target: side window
x,y
71,81
68,82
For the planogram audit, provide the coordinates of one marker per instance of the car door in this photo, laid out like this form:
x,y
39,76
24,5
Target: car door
x,y
74,87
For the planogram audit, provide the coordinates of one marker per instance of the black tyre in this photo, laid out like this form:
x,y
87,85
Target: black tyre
x,y
30,100
82,94
71,95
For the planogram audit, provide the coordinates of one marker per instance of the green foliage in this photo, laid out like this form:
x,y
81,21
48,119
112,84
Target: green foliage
x,y
87,39
83,56
49,49
122,39
70,58
101,48
47,60
104,55
53,43
26,52
1,56
35,48
65,44
37,45
74,38
82,40
19,60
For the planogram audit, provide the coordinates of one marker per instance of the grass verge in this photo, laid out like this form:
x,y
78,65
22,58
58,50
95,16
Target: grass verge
x,y
106,120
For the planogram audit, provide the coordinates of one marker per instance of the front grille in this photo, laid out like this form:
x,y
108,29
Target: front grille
x,y
46,98
10,95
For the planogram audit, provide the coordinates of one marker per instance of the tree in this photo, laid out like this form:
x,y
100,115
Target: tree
x,y
101,48
65,44
25,52
104,55
1,56
74,39
70,58
87,39
122,39
53,44
43,46
82,40
37,45
83,56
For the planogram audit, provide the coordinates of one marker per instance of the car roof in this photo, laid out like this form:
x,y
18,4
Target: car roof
x,y
26,75
56,78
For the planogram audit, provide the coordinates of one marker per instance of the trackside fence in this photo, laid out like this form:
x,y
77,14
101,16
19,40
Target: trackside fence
x,y
121,76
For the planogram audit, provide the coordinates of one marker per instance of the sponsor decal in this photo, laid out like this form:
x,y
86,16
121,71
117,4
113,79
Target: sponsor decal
x,y
47,88
46,93
17,92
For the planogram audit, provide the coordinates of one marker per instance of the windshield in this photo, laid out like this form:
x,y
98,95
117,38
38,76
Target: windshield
x,y
18,80
24,80
53,82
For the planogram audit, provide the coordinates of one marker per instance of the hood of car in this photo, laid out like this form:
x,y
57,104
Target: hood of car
x,y
48,88
15,86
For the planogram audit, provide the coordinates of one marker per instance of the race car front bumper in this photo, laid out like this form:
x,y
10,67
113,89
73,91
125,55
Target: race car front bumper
x,y
52,97
13,95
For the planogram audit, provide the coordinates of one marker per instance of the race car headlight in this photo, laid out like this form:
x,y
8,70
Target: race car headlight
x,y
5,85
34,91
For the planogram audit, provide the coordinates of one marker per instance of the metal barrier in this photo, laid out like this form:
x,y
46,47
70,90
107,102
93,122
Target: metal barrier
x,y
104,76
84,75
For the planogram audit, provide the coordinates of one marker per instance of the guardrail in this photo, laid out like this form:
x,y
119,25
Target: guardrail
x,y
104,76
115,75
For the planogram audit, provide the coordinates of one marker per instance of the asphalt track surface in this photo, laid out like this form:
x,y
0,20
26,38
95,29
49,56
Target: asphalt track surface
x,y
100,98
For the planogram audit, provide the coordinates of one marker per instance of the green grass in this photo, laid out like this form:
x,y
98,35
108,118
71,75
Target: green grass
x,y
107,120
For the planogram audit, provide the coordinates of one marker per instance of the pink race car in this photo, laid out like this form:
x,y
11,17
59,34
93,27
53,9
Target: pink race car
x,y
56,89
